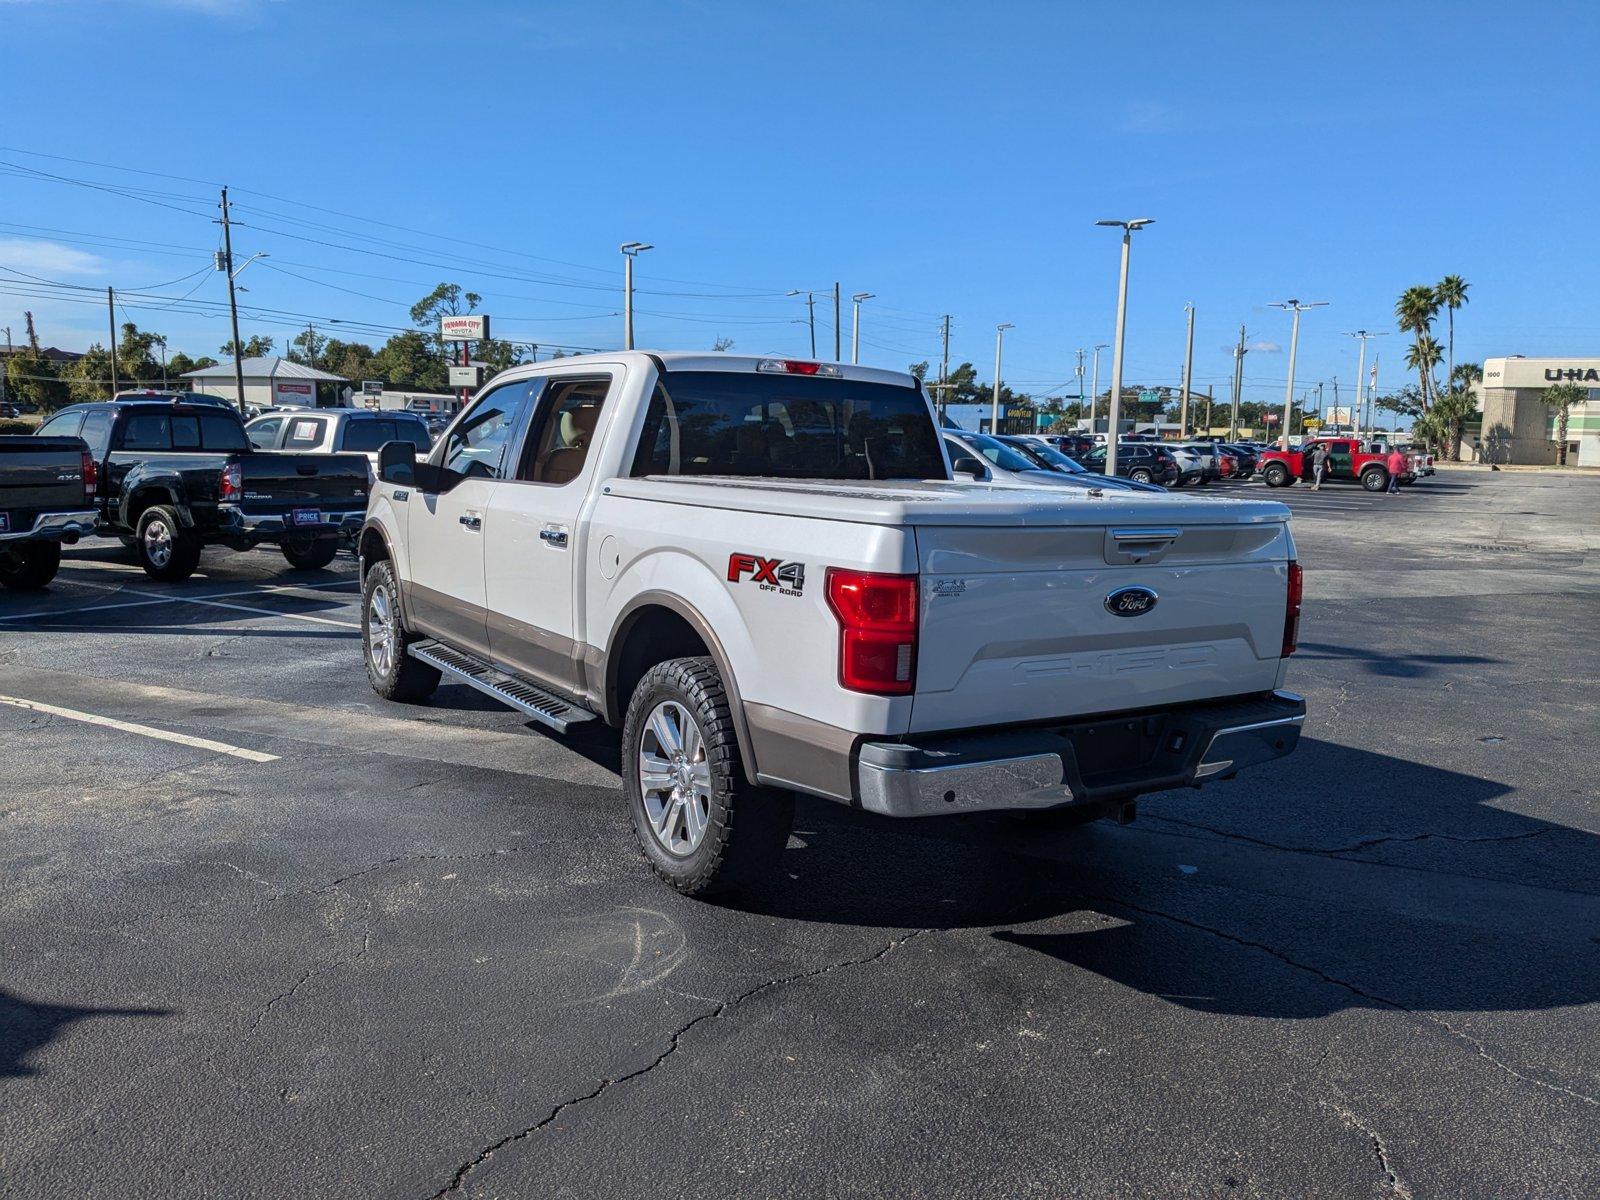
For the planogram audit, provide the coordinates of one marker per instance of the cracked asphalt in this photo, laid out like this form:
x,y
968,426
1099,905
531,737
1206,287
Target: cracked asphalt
x,y
417,955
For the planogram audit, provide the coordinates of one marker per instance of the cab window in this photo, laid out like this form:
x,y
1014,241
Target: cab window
x,y
66,425
147,431
479,441
219,432
264,432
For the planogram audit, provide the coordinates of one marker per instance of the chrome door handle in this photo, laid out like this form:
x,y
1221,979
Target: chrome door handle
x,y
555,538
472,521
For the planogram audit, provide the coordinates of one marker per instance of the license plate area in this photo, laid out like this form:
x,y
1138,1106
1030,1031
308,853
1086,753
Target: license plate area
x,y
305,516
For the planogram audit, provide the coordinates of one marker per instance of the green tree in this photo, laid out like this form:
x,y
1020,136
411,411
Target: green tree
x,y
181,364
89,378
1423,356
919,370
1450,293
307,347
1414,311
1452,411
722,345
136,355
496,354
353,360
1466,374
255,346
32,379
1561,398
411,360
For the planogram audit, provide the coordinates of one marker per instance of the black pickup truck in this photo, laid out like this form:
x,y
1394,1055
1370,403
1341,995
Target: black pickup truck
x,y
47,497
174,477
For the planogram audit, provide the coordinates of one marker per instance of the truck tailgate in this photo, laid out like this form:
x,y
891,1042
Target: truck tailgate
x,y
1019,624
279,481
39,474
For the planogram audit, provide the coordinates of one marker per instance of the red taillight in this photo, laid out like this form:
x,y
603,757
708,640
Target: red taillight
x,y
796,366
877,630
232,482
91,476
1291,610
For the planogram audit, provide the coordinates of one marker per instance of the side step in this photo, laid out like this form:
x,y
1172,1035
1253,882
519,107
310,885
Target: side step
x,y
527,698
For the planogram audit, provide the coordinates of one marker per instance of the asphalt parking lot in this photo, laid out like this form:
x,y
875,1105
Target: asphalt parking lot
x,y
323,945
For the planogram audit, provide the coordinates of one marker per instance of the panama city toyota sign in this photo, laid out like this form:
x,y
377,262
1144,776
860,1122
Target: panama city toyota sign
x,y
471,328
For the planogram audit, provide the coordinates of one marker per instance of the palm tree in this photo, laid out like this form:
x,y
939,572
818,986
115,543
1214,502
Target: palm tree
x,y
1414,311
1452,411
1561,398
1423,356
1451,294
1464,375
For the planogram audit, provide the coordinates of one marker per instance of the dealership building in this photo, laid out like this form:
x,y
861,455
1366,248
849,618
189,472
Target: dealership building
x,y
1518,428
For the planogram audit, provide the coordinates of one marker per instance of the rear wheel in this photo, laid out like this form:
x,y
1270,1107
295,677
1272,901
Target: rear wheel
x,y
394,674
1140,475
702,828
29,566
1375,479
308,553
166,550
1276,475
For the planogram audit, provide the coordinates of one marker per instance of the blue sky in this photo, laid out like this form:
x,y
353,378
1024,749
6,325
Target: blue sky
x,y
947,157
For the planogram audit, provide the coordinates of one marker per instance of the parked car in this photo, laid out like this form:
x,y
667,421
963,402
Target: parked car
x,y
764,573
1348,460
1008,460
1196,464
1073,445
1245,458
338,430
1141,462
173,477
47,487
177,397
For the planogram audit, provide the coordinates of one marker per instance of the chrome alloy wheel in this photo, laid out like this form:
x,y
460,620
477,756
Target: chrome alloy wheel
x,y
675,778
157,543
383,632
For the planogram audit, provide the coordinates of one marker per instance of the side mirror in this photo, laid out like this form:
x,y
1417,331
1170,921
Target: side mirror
x,y
967,465
397,463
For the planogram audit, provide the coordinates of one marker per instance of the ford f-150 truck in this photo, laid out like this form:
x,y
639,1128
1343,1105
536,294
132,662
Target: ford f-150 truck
x,y
764,571
174,477
46,498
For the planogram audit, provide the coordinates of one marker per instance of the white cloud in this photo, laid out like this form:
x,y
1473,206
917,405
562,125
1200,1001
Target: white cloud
x,y
1267,347
50,259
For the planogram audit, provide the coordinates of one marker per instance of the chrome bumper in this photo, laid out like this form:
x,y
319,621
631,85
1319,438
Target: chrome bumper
x,y
235,522
54,527
1055,767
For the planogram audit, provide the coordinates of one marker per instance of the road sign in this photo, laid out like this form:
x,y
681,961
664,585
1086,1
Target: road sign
x,y
372,387
1340,415
471,328
466,377
1271,418
1149,396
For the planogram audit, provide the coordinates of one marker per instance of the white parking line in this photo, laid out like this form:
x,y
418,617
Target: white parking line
x,y
162,735
147,600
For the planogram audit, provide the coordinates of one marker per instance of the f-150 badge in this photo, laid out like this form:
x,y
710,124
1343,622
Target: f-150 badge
x,y
769,574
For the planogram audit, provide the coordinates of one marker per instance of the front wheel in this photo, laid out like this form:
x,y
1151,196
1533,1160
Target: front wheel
x,y
1375,479
1276,475
30,566
166,550
307,553
393,673
702,828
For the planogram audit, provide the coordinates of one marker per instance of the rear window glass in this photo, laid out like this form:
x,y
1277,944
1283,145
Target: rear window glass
x,y
222,433
303,432
367,435
1008,458
147,431
787,427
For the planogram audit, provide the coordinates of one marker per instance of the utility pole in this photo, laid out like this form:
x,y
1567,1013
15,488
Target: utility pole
x,y
1361,335
1296,307
111,317
994,404
1372,390
1188,367
1239,352
1079,373
630,251
1114,405
4,395
811,316
1208,409
233,301
836,354
1094,391
855,325
944,369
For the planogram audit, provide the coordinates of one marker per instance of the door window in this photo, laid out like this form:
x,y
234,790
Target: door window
x,y
264,432
480,441
567,421
66,425
97,432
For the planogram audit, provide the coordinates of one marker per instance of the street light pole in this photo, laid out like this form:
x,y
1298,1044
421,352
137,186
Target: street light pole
x,y
994,403
855,325
1239,352
1296,307
1361,335
1114,413
1188,378
630,251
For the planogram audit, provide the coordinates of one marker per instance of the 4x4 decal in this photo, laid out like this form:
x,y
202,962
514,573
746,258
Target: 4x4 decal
x,y
769,574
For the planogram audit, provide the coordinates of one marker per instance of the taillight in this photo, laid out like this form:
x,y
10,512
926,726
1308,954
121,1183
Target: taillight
x,y
232,482
877,630
793,366
1291,610
91,476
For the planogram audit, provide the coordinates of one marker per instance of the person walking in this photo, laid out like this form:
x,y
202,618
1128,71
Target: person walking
x,y
1319,465
1396,462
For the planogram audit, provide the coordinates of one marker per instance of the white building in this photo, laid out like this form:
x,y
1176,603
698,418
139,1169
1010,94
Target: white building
x,y
1519,428
272,381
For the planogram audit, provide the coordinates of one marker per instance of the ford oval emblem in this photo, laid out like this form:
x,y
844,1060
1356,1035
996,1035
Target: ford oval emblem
x,y
1131,601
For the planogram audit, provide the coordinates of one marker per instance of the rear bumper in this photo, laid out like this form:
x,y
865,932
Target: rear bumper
x,y
1092,762
235,524
54,527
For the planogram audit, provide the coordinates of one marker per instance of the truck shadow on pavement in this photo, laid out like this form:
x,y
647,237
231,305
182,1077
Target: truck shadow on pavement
x,y
29,1025
1396,666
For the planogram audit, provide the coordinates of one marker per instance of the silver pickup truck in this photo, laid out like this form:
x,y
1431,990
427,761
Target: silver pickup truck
x,y
47,487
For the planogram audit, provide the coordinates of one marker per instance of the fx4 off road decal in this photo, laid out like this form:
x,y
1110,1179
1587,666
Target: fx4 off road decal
x,y
769,574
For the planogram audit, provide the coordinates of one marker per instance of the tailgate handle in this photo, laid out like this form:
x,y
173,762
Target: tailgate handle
x,y
306,468
1145,536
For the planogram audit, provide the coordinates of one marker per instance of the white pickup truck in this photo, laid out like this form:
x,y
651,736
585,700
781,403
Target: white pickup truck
x,y
764,571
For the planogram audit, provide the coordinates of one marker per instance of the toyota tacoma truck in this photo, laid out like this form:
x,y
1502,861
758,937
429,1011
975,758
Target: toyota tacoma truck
x,y
174,477
47,487
764,572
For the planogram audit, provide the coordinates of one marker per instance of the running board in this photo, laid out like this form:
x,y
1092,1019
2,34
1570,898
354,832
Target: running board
x,y
527,698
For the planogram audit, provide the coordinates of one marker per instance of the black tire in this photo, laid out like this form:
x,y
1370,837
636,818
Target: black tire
x,y
28,567
1375,479
166,550
745,828
396,675
307,553
1140,475
1276,475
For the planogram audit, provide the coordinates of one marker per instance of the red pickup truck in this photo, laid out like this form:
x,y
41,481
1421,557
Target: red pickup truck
x,y
1348,460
